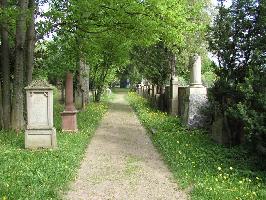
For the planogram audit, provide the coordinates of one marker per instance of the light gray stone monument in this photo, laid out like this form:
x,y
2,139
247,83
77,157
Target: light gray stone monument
x,y
173,107
141,90
146,88
150,90
153,92
40,132
196,98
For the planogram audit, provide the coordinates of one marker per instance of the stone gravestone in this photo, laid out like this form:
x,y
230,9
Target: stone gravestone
x,y
69,115
40,132
196,98
173,107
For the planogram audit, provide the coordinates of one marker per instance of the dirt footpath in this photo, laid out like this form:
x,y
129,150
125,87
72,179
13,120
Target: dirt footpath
x,y
121,162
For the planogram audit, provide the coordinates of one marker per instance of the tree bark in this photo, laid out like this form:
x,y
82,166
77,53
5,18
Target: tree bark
x,y
1,109
17,117
62,98
5,62
83,83
30,42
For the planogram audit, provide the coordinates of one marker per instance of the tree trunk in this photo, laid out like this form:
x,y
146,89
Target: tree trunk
x,y
17,118
99,94
5,62
30,42
1,109
83,83
62,99
78,91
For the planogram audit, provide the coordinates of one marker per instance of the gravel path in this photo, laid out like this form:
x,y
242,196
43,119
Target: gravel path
x,y
121,162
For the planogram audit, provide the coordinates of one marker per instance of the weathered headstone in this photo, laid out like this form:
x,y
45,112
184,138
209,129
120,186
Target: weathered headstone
x,y
167,97
150,90
69,116
196,100
173,107
108,91
182,98
142,90
153,90
146,87
220,131
40,132
162,98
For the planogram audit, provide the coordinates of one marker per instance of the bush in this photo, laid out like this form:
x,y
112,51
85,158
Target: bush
x,y
237,38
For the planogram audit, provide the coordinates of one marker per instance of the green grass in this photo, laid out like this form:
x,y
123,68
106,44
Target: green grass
x,y
44,174
207,170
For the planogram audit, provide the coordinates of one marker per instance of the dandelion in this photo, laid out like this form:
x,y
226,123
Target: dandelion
x,y
219,168
231,168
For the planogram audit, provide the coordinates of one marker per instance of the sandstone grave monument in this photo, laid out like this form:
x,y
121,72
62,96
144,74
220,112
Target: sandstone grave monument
x,y
40,131
69,115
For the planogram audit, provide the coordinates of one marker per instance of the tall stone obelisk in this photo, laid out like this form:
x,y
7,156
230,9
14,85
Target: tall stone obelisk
x,y
69,116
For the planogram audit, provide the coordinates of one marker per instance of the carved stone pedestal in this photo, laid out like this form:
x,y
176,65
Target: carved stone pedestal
x,y
69,121
196,101
196,98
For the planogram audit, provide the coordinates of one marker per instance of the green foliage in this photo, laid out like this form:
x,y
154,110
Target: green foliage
x,y
208,170
176,43
104,32
108,56
238,38
43,174
153,63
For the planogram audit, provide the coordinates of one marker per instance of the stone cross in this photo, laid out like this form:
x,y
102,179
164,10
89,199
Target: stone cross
x,y
69,116
40,132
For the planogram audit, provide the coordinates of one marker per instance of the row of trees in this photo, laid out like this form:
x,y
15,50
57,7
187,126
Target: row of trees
x,y
108,37
102,34
18,39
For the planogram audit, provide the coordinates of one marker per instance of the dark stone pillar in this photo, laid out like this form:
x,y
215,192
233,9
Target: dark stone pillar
x,y
69,116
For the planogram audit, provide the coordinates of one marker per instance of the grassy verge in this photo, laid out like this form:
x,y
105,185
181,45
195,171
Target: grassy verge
x,y
209,170
43,174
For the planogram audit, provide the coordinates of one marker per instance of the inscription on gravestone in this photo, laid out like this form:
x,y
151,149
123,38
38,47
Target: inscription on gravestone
x,y
39,102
